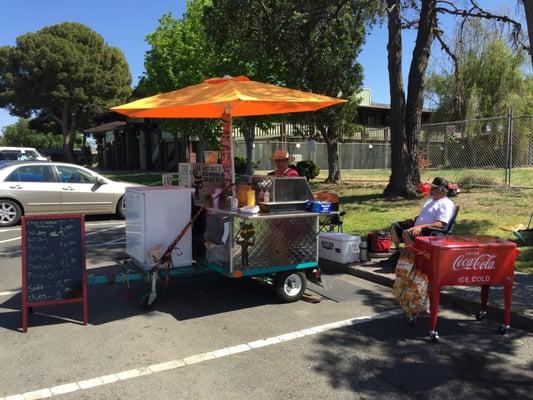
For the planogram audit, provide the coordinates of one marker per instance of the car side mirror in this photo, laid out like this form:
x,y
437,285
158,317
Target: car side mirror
x,y
100,180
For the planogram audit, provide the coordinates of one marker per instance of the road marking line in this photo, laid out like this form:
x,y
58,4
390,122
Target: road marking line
x,y
105,230
165,366
10,293
10,240
105,244
195,359
9,230
104,223
10,253
66,388
38,394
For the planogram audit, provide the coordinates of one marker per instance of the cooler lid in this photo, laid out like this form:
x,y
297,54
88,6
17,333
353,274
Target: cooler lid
x,y
339,237
466,241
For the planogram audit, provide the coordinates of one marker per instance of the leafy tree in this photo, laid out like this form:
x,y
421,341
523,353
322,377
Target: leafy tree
x,y
302,44
489,78
180,55
20,134
65,72
406,110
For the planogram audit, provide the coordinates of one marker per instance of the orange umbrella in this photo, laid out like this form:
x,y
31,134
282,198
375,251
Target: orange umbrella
x,y
237,96
225,98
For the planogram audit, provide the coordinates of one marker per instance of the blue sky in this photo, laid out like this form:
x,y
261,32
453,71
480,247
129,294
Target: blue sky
x,y
125,23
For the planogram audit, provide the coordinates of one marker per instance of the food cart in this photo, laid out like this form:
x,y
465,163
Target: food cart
x,y
278,244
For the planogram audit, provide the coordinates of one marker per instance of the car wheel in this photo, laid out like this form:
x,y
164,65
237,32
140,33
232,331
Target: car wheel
x,y
10,212
121,208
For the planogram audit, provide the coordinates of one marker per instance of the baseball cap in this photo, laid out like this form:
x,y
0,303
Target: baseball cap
x,y
440,182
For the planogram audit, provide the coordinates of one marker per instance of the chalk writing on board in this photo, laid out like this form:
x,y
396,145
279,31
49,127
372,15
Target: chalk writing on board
x,y
54,258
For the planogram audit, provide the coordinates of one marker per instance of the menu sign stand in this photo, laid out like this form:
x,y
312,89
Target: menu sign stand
x,y
53,262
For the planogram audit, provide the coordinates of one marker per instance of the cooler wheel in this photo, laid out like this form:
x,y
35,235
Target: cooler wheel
x,y
503,329
434,336
480,315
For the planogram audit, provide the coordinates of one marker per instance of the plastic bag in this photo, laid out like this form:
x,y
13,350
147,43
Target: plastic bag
x,y
411,286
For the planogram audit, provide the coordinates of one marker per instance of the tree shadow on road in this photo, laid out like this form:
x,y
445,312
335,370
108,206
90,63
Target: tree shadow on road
x,y
388,359
184,298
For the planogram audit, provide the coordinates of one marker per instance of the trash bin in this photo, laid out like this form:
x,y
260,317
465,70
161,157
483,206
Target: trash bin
x,y
467,261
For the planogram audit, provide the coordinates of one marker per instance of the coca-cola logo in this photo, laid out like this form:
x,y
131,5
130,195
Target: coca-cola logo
x,y
475,262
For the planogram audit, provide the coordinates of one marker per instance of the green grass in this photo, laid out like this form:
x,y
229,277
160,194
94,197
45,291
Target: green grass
x,y
520,176
483,211
494,212
144,178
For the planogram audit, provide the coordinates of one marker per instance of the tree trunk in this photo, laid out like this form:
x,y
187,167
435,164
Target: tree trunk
x,y
332,142
528,7
405,169
399,154
66,129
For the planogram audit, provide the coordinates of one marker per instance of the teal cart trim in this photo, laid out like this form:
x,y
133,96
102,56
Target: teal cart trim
x,y
179,272
263,271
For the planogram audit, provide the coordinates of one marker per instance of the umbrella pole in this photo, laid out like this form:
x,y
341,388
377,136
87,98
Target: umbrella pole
x,y
226,152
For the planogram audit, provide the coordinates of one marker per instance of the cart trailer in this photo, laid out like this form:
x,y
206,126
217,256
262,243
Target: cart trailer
x,y
278,245
280,249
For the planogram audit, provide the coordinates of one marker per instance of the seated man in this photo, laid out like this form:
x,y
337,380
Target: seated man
x,y
435,214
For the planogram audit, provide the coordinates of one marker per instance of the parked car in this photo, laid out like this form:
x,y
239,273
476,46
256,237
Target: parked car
x,y
36,187
20,153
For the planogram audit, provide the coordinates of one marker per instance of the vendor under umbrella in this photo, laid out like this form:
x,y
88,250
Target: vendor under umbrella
x,y
283,159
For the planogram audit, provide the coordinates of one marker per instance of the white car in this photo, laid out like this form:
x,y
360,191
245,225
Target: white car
x,y
36,187
20,153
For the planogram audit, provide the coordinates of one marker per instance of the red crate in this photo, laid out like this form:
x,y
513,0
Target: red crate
x,y
467,261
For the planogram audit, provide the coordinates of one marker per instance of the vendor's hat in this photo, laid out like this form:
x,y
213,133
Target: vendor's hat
x,y
440,182
281,154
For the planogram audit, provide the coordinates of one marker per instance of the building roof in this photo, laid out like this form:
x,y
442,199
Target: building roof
x,y
384,106
105,127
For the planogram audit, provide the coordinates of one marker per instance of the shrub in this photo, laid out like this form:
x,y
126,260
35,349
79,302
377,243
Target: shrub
x,y
240,165
470,181
308,169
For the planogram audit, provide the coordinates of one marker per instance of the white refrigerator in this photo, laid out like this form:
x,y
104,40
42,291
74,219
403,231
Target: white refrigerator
x,y
154,217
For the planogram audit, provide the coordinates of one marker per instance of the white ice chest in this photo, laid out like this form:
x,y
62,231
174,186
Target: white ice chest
x,y
339,247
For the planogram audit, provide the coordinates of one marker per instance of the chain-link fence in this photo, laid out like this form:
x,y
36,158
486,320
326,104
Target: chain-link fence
x,y
491,152
485,152
351,155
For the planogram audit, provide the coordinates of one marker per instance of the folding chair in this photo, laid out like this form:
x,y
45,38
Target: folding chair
x,y
448,229
333,221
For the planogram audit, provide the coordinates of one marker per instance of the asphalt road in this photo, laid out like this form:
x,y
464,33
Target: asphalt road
x,y
217,338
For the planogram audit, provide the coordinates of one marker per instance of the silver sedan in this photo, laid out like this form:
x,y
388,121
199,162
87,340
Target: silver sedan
x,y
50,188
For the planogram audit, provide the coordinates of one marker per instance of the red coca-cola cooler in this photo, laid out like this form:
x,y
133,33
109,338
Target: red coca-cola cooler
x,y
467,261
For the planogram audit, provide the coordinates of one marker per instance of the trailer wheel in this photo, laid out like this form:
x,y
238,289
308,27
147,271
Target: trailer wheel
x,y
148,302
290,286
480,315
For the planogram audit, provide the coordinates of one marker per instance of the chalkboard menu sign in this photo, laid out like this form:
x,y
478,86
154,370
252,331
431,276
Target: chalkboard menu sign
x,y
53,262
